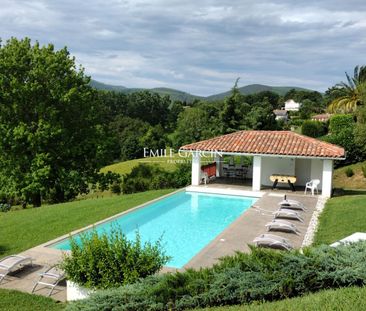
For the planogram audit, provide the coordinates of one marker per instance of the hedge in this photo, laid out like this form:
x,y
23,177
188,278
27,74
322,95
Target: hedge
x,y
262,275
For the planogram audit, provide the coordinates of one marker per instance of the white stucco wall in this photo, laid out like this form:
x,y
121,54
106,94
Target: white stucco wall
x,y
317,171
274,165
302,171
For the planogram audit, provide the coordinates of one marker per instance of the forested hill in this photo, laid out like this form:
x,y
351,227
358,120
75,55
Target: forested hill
x,y
256,88
186,97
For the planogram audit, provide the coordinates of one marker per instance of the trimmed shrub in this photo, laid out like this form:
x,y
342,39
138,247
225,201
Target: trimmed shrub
x,y
262,275
313,128
105,261
339,122
349,172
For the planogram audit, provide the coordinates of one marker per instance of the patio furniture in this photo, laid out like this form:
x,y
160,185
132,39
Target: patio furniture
x,y
12,263
287,213
50,278
282,225
277,178
291,204
312,185
272,241
204,178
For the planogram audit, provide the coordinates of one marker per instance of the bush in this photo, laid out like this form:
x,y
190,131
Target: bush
x,y
349,172
5,207
105,261
363,168
313,128
339,122
151,177
262,275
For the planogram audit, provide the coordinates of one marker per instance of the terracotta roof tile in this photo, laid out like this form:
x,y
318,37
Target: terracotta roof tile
x,y
269,142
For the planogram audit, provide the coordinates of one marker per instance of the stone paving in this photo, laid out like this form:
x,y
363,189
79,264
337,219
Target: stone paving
x,y
236,237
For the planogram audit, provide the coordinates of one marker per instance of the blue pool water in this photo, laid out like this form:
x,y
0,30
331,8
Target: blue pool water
x,y
186,221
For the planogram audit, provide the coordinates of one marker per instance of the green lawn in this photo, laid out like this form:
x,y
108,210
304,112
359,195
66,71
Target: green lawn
x,y
125,167
357,181
352,298
341,217
11,300
23,229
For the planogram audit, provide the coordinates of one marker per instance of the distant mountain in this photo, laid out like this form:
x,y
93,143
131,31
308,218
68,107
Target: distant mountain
x,y
256,88
174,94
107,87
188,98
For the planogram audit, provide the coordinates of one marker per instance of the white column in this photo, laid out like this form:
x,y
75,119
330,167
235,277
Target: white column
x,y
327,180
257,172
196,169
218,160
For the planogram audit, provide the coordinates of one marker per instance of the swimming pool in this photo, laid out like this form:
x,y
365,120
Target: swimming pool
x,y
187,222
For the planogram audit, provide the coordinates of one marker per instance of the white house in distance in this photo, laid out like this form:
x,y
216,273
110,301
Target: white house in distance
x,y
291,105
274,153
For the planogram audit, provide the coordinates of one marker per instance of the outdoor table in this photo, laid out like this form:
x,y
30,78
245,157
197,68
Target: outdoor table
x,y
277,178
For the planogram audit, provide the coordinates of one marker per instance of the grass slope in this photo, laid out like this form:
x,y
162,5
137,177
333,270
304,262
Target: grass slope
x,y
341,217
11,300
23,229
352,298
357,181
125,167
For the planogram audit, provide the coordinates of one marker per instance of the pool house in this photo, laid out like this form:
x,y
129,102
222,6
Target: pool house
x,y
277,158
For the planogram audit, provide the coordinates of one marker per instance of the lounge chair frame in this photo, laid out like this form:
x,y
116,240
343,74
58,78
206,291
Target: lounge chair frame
x,y
287,213
14,262
272,241
49,278
282,225
292,204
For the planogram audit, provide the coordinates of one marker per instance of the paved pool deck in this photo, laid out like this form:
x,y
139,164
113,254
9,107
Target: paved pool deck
x,y
236,237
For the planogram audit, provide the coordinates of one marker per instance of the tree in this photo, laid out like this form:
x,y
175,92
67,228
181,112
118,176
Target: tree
x,y
128,132
52,143
228,115
149,107
351,93
192,126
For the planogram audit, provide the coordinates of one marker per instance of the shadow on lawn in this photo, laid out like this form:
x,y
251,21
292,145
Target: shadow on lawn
x,y
3,249
338,192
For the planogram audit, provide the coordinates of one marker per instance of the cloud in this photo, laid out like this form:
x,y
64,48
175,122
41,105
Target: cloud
x,y
199,47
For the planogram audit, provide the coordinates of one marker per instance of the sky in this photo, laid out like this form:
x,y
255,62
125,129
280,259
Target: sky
x,y
200,47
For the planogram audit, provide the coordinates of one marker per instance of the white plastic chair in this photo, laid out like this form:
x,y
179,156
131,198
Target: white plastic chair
x,y
204,177
312,185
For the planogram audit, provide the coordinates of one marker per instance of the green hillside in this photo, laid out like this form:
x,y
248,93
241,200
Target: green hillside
x,y
107,87
189,98
256,88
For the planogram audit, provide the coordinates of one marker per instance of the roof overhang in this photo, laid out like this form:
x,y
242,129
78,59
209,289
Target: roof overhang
x,y
259,154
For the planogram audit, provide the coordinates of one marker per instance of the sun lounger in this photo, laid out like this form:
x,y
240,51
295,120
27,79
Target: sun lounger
x,y
282,225
292,204
287,213
12,263
50,278
272,241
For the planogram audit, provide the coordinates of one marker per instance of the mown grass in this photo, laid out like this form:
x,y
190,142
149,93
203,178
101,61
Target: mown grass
x,y
357,181
167,163
341,217
352,298
11,300
23,229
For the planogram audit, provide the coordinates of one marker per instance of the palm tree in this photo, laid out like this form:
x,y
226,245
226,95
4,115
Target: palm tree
x,y
351,94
